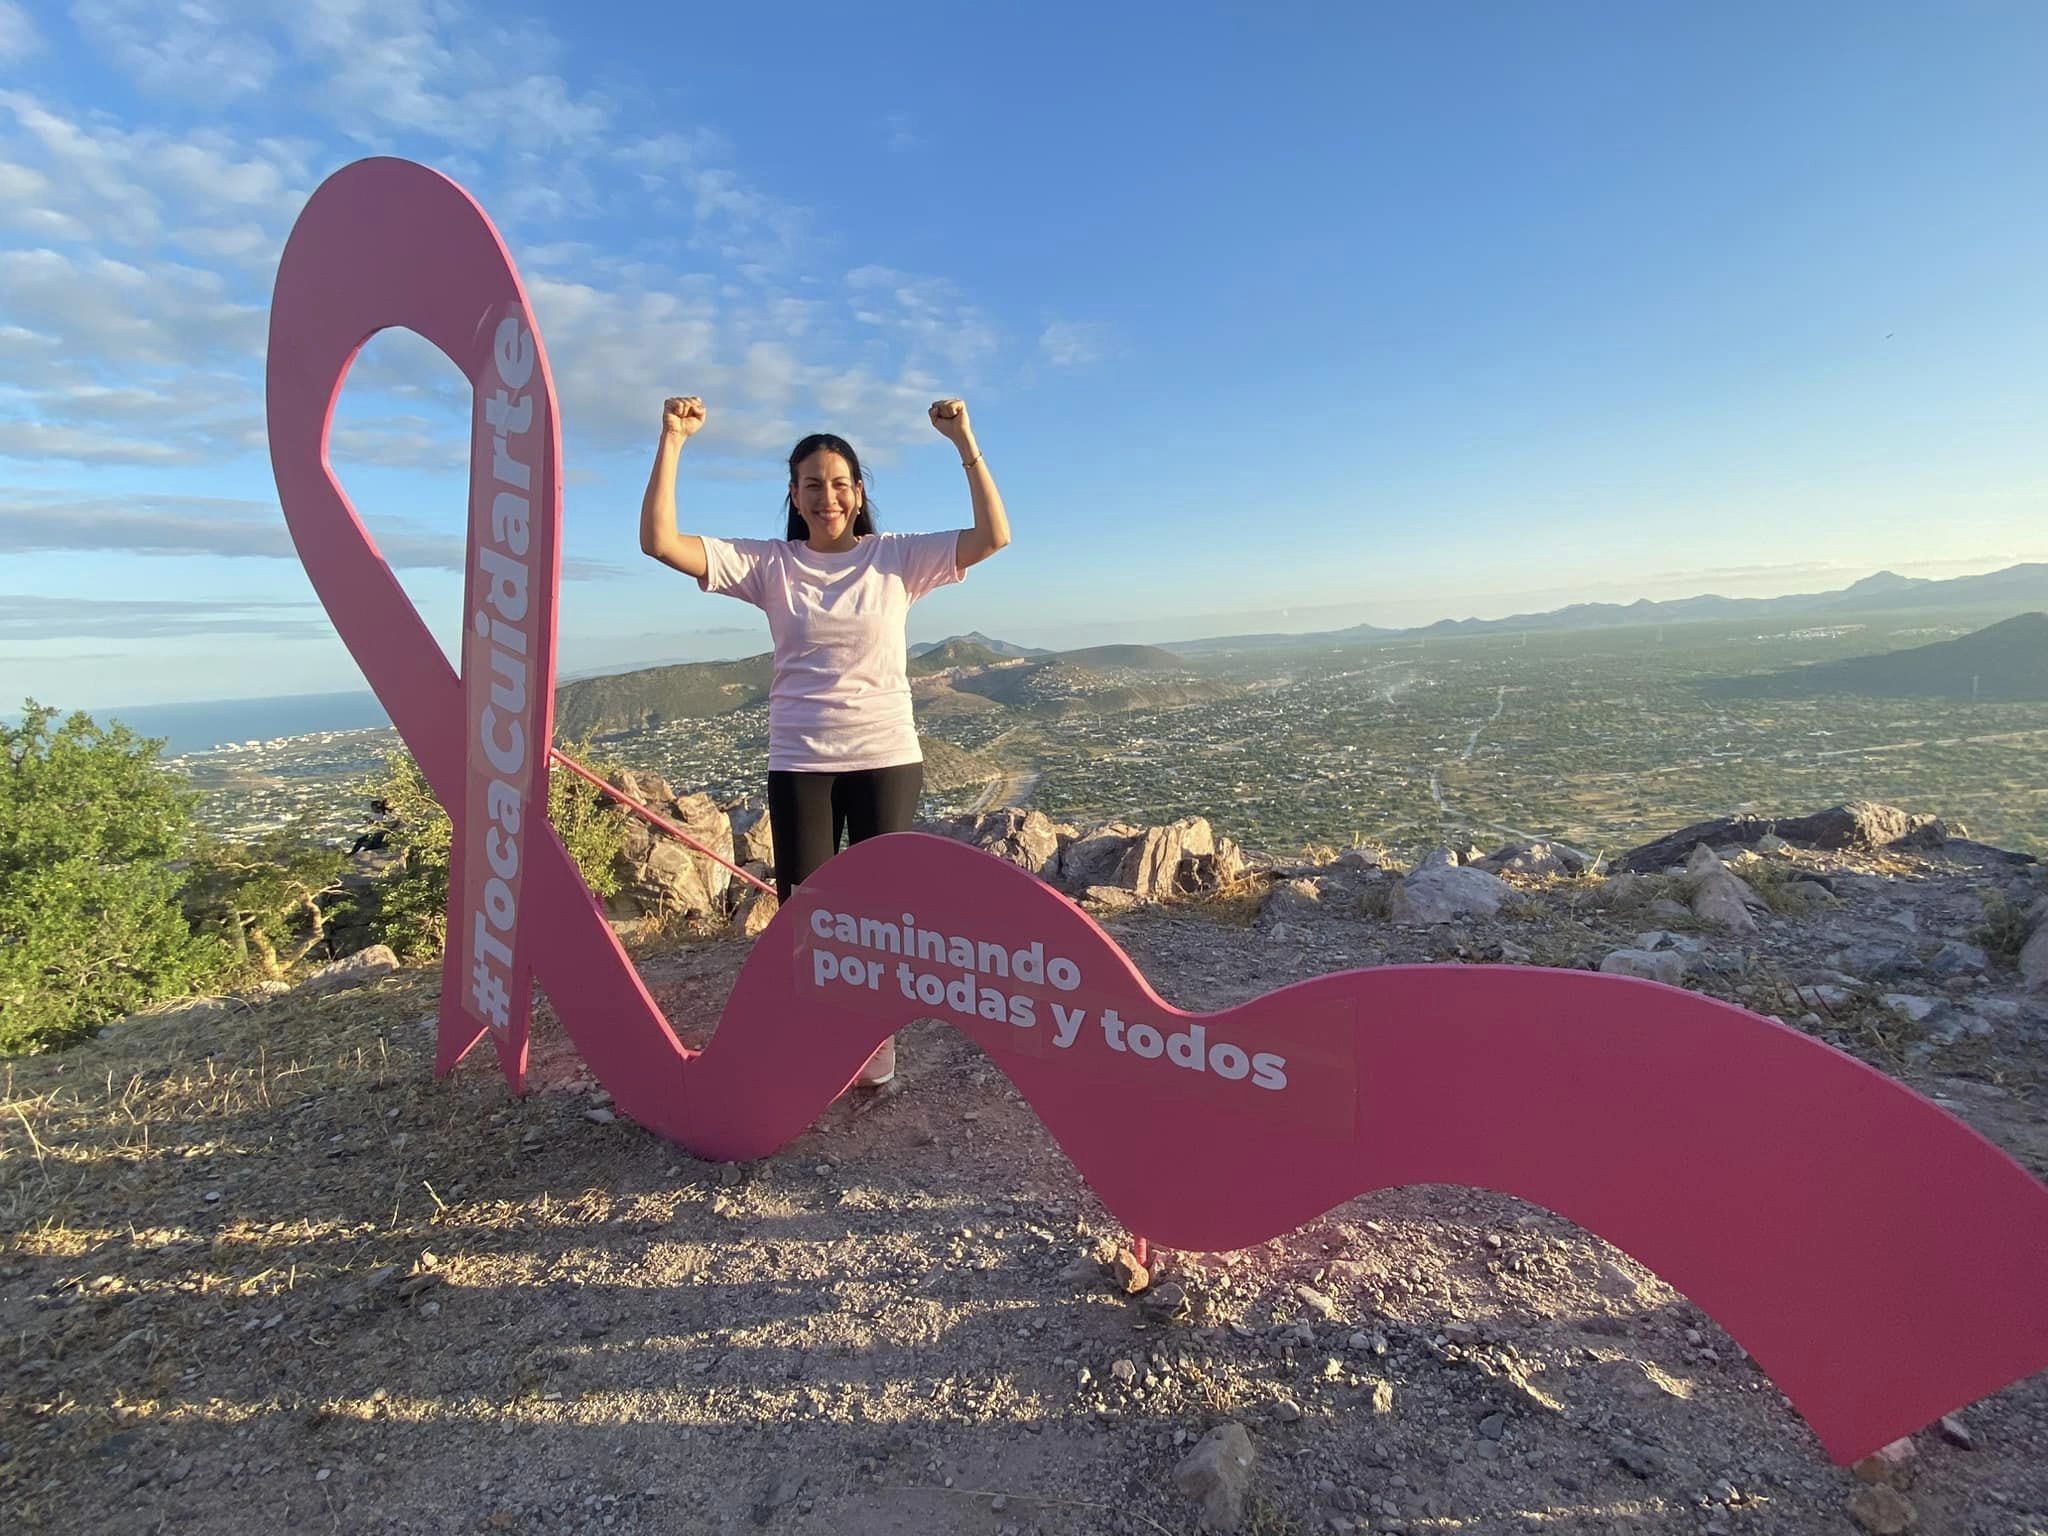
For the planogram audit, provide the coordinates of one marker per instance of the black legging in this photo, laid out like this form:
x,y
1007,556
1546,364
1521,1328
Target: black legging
x,y
808,813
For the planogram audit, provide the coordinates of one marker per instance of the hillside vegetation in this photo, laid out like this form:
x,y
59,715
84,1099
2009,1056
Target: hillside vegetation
x,y
2007,661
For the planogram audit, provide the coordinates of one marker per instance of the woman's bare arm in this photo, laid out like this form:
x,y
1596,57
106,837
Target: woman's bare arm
x,y
991,530
680,418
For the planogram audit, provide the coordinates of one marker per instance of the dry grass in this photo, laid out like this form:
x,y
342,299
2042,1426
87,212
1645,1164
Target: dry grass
x,y
1773,880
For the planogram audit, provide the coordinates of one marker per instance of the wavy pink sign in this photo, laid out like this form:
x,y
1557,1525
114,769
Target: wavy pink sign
x,y
1879,1259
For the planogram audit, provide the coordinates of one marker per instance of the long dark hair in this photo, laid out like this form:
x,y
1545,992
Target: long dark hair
x,y
825,442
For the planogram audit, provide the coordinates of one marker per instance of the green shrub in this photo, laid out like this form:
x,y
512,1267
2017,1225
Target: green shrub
x,y
412,913
91,924
2003,933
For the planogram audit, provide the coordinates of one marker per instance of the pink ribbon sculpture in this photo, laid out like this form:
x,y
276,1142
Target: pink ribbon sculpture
x,y
1880,1260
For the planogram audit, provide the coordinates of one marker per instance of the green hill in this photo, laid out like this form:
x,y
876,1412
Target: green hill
x,y
958,652
1094,680
2007,662
949,767
1007,648
633,701
1059,686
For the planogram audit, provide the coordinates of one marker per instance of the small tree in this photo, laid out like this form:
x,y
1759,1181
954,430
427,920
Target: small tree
x,y
413,898
264,897
90,921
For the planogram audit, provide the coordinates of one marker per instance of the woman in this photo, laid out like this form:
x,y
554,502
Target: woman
x,y
842,747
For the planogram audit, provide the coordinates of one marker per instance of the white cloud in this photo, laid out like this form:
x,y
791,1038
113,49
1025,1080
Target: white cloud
x,y
35,440
1065,344
165,526
24,616
98,307
927,313
92,182
18,36
188,50
142,254
431,68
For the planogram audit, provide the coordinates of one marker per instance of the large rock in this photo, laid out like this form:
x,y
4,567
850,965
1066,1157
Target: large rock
x,y
756,911
662,878
1291,899
650,789
1092,858
1720,898
1882,1510
359,969
1151,864
1441,890
1955,958
1720,902
1021,837
1533,858
1665,965
753,834
1217,1475
2034,959
1858,824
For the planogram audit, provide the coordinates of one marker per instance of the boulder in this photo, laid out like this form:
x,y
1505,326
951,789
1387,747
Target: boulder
x,y
1882,1510
753,835
1911,1007
1441,890
1024,838
1955,958
2034,959
1290,899
1665,965
1857,824
1719,897
1720,901
756,910
1533,858
1092,858
650,789
662,878
1151,863
1216,1474
1878,962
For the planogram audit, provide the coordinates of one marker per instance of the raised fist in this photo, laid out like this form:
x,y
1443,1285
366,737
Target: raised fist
x,y
681,416
950,417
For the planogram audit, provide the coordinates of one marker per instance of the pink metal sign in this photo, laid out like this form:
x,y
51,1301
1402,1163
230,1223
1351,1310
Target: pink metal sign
x,y
389,243
1879,1259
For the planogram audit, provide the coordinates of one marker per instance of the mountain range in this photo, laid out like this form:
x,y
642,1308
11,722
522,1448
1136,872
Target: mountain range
x,y
1885,591
976,672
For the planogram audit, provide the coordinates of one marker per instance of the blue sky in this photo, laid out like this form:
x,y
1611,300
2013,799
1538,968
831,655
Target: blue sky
x,y
1282,317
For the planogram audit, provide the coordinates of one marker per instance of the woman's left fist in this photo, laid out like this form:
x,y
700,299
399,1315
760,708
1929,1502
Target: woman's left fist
x,y
950,417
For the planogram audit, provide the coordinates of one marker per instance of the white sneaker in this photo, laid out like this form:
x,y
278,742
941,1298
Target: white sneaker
x,y
881,1067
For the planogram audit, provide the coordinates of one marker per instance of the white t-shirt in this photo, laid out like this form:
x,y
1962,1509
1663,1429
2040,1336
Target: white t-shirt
x,y
840,700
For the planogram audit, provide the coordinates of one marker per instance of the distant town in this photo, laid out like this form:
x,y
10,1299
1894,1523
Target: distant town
x,y
1598,737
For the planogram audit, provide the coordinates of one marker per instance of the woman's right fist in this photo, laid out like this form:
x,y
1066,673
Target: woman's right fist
x,y
681,416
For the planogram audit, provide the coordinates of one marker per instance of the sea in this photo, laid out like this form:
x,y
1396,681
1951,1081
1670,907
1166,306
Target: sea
x,y
211,724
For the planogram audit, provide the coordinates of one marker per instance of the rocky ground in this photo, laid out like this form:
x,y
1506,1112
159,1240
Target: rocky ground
x,y
262,1272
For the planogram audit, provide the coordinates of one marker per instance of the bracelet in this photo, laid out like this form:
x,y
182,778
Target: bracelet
x,y
970,463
